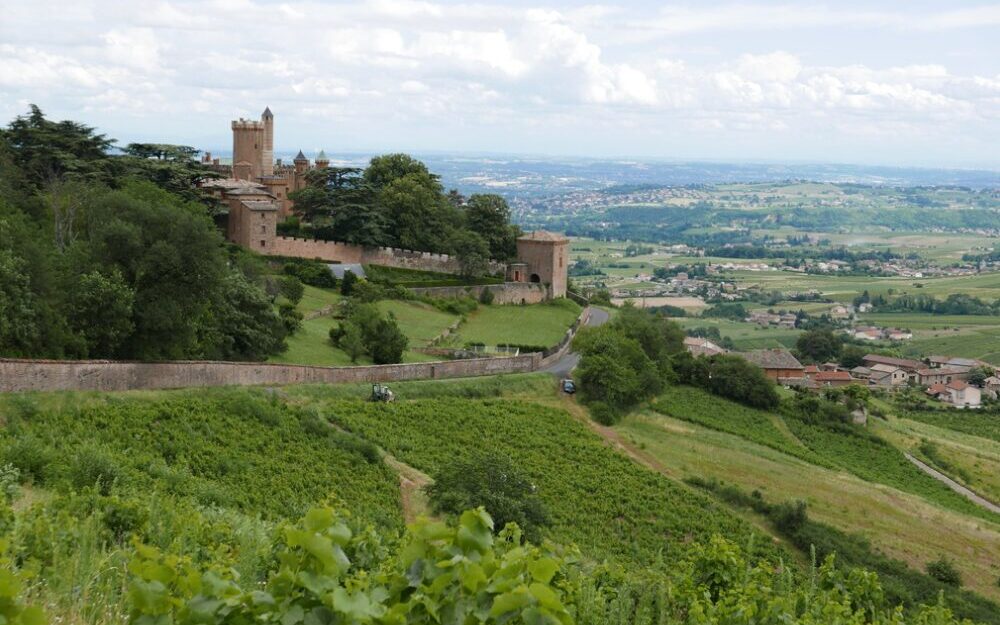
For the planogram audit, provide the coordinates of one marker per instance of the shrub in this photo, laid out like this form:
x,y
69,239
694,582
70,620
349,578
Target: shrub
x,y
388,342
31,457
93,467
291,318
486,296
789,517
492,481
347,283
311,272
944,571
291,287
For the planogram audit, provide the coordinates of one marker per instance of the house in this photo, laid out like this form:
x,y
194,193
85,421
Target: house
x,y
963,394
910,366
776,363
888,375
829,366
991,386
787,320
833,378
810,370
861,373
940,375
805,383
867,334
841,312
956,363
864,307
899,335
702,347
764,318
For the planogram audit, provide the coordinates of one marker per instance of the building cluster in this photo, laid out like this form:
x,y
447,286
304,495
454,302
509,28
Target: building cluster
x,y
766,319
943,378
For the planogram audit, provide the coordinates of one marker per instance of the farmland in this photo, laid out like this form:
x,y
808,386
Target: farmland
x,y
539,324
849,484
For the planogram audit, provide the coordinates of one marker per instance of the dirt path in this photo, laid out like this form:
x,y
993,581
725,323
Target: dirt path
x,y
955,486
411,488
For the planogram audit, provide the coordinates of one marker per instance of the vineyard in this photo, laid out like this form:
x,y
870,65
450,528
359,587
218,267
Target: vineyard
x,y
597,498
833,445
975,423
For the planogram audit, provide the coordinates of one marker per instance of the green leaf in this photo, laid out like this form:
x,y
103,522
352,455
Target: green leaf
x,y
546,597
510,601
543,569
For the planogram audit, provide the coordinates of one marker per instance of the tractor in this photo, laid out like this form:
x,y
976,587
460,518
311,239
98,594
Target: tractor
x,y
381,392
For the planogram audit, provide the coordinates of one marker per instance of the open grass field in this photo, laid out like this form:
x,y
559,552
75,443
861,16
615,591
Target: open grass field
x,y
745,335
540,324
969,336
845,288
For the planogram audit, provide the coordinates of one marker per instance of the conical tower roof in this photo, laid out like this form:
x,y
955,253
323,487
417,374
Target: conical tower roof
x,y
321,156
267,112
300,156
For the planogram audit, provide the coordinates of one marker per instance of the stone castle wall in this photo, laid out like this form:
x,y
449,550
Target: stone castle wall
x,y
506,293
336,252
103,375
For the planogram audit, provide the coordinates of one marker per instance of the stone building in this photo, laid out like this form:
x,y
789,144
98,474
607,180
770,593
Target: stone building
x,y
542,257
256,193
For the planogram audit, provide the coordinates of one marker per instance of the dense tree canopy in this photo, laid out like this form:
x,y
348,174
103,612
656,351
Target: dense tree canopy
x,y
397,202
114,256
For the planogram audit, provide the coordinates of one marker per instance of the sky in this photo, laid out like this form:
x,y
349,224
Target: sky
x,y
895,83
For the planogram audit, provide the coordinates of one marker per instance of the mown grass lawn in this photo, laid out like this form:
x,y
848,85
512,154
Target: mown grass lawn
x,y
538,324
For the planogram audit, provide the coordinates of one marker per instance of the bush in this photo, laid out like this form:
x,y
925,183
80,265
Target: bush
x,y
388,342
94,468
944,571
492,481
486,296
789,517
728,376
291,287
290,317
347,283
31,457
311,272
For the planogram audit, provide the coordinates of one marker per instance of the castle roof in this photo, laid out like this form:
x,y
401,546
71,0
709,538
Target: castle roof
x,y
321,156
260,205
267,112
542,235
300,156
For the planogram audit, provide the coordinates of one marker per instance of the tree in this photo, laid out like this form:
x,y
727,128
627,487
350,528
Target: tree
x,y
735,378
489,216
418,217
820,345
386,169
659,337
852,356
18,328
614,370
347,283
101,312
352,341
472,254
978,375
247,326
388,342
490,480
340,204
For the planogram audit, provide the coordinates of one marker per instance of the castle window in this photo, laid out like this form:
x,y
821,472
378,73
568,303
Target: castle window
x,y
560,262
263,229
263,243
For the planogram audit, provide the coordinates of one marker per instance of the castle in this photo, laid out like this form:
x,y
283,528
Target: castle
x,y
256,189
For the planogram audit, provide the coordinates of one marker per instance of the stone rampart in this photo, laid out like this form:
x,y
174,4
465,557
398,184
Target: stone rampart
x,y
506,293
103,375
336,252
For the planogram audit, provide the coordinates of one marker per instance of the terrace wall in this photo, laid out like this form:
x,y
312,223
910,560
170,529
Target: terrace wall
x,y
104,375
506,293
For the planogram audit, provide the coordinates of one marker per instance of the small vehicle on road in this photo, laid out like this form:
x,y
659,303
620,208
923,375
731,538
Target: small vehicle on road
x,y
568,386
381,393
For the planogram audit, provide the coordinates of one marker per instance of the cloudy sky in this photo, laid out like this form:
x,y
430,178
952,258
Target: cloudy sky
x,y
908,82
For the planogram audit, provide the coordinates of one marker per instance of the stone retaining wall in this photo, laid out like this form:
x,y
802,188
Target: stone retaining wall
x,y
103,375
506,293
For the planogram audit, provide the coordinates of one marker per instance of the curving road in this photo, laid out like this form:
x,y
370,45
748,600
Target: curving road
x,y
952,484
562,367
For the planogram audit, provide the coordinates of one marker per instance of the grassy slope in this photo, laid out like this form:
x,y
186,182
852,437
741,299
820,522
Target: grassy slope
x,y
744,335
542,324
901,525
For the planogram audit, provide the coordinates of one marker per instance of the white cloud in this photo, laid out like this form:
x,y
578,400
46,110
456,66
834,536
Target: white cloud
x,y
487,65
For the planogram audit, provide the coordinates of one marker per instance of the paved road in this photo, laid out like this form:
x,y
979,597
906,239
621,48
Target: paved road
x,y
562,367
955,486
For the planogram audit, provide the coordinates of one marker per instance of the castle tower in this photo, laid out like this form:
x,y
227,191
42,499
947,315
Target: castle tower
x,y
301,167
544,258
322,162
267,155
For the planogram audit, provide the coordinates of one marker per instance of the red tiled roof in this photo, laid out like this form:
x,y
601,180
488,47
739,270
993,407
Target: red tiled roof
x,y
957,385
903,363
833,376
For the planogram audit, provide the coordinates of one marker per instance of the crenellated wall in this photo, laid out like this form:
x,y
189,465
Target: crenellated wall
x,y
506,293
336,252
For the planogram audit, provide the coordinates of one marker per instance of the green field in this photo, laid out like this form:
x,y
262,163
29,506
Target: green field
x,y
745,335
968,336
848,482
540,324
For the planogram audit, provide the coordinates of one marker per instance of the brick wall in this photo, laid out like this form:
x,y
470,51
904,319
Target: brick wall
x,y
102,375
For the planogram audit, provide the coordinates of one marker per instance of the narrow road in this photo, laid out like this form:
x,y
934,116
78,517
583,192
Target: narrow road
x,y
952,484
562,367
